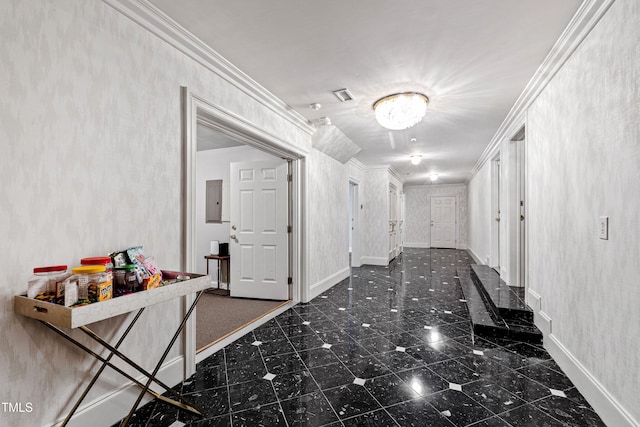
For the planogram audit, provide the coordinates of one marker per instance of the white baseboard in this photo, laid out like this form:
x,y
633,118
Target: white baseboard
x,y
356,262
462,246
323,285
372,260
475,256
607,407
112,407
417,245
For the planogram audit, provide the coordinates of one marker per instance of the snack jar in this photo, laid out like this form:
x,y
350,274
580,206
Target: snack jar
x,y
89,275
44,281
126,279
100,260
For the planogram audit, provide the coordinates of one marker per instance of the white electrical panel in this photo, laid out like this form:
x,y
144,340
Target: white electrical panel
x,y
604,227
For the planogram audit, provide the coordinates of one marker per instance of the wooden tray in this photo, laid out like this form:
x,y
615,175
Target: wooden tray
x,y
68,317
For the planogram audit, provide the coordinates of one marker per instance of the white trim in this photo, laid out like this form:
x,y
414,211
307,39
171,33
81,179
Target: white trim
x,y
109,408
328,283
534,301
242,332
584,20
151,18
395,174
462,184
543,322
602,401
475,256
374,260
357,164
462,246
248,133
417,245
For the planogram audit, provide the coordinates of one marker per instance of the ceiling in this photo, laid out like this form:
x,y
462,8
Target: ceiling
x,y
211,139
471,58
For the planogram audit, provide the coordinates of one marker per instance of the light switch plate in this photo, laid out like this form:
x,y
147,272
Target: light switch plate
x,y
604,227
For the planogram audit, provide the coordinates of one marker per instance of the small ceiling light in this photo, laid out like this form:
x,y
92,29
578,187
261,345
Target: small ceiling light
x,y
401,110
416,159
413,140
315,106
434,177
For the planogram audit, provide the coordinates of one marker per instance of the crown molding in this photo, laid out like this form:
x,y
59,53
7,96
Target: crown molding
x,y
148,16
357,164
461,185
396,175
584,20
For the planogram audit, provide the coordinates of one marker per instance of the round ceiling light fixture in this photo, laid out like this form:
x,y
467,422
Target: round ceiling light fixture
x,y
401,110
433,177
416,159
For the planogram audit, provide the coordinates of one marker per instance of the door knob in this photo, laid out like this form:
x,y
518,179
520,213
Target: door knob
x,y
498,219
233,227
521,217
233,236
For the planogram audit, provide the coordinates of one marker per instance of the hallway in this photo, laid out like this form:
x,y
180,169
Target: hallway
x,y
387,346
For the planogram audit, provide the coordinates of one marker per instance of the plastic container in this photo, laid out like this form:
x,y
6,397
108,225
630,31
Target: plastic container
x,y
44,281
89,275
100,260
126,279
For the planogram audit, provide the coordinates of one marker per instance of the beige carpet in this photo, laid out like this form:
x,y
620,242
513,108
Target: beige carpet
x,y
218,316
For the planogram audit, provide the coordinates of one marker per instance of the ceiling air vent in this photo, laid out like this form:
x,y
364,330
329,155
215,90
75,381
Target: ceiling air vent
x,y
343,95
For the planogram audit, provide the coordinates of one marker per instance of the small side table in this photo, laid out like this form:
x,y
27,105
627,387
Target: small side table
x,y
220,258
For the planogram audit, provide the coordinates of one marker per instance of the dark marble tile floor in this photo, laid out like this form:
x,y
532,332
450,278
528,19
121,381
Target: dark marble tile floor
x,y
390,346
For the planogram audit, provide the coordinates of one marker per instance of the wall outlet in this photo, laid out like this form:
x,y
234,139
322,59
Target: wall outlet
x,y
604,227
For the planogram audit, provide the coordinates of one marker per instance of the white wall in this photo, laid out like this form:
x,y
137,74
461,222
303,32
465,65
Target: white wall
x,y
418,213
90,162
328,233
211,165
583,149
375,198
480,217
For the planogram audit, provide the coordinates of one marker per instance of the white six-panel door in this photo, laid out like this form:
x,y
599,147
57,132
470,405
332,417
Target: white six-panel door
x,y
443,222
259,241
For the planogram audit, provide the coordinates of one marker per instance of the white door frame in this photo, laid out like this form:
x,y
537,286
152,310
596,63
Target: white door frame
x,y
494,257
355,234
244,131
457,217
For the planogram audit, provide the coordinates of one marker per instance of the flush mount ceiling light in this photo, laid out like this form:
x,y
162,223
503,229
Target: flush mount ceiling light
x,y
434,177
416,159
401,110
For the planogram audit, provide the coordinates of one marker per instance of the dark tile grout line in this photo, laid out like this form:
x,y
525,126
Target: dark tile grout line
x,y
226,376
275,392
312,377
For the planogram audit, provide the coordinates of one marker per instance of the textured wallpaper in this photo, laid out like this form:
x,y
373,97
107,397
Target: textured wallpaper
x,y
90,162
328,233
480,217
376,215
583,152
418,211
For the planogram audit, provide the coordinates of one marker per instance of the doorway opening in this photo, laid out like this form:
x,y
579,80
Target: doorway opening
x,y
264,177
494,258
354,224
519,214
222,160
